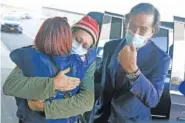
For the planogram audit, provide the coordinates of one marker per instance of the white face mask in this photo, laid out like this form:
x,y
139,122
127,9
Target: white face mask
x,y
136,39
78,48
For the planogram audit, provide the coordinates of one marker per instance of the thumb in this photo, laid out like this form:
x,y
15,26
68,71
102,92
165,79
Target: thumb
x,y
66,70
132,47
61,73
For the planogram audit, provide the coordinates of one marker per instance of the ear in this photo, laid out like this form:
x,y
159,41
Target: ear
x,y
154,30
149,37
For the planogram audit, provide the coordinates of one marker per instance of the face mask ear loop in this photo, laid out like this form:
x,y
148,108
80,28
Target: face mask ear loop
x,y
133,35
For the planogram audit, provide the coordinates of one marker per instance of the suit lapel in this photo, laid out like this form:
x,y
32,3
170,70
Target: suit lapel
x,y
144,60
143,55
113,66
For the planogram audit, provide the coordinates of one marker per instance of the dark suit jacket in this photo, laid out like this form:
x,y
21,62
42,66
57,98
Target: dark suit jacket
x,y
123,101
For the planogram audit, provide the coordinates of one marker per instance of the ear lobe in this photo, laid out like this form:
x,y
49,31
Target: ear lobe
x,y
153,32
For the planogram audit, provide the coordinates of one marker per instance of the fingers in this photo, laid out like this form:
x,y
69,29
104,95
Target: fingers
x,y
35,100
119,56
74,80
70,87
31,101
63,82
36,106
31,105
35,103
132,47
72,84
129,48
125,49
61,73
66,70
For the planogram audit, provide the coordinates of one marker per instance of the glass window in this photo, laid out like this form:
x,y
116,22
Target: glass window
x,y
11,18
170,44
104,35
161,39
105,31
178,63
116,28
124,29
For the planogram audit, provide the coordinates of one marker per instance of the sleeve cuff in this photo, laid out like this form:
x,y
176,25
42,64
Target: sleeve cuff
x,y
138,84
50,89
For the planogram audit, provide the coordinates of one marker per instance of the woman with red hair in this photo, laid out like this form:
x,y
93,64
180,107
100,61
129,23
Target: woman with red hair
x,y
52,52
54,37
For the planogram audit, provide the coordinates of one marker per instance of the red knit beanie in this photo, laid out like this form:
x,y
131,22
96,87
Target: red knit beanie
x,y
90,25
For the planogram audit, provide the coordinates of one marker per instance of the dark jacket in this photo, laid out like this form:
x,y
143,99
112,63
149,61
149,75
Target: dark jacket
x,y
34,63
122,101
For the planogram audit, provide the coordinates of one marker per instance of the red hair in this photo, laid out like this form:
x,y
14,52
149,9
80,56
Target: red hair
x,y
54,37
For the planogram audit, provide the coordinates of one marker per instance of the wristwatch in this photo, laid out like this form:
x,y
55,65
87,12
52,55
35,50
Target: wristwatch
x,y
133,76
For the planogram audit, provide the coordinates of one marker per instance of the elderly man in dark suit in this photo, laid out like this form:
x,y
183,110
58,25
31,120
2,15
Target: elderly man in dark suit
x,y
133,71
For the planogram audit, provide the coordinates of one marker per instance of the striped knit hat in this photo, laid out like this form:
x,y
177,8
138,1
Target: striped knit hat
x,y
90,25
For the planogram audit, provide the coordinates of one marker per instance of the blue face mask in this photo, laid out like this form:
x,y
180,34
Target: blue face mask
x,y
136,39
78,48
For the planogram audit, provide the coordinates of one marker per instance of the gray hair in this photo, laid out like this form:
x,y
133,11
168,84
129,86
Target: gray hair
x,y
148,9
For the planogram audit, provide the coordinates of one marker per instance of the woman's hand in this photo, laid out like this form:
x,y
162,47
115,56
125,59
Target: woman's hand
x,y
65,83
36,105
62,83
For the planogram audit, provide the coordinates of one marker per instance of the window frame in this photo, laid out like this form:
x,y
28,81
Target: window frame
x,y
177,20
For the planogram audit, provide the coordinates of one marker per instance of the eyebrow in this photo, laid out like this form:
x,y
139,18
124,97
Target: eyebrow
x,y
83,40
144,27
